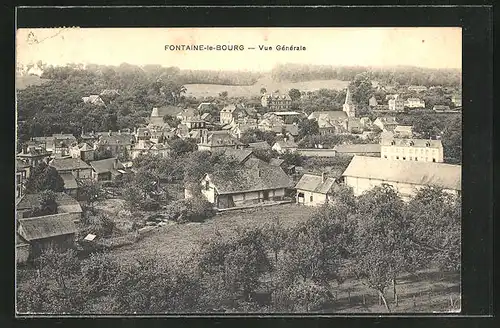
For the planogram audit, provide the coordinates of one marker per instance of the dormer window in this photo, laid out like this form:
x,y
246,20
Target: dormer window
x,y
427,144
412,143
393,142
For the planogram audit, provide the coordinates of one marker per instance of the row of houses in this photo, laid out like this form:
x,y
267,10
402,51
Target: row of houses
x,y
256,181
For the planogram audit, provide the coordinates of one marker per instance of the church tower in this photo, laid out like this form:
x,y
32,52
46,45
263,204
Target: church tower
x,y
349,106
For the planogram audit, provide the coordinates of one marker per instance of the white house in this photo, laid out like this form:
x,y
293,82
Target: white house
x,y
418,150
284,145
254,182
407,177
314,190
396,104
415,103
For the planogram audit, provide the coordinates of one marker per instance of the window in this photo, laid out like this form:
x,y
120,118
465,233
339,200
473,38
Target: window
x,y
311,198
434,160
207,185
404,158
397,157
416,158
385,156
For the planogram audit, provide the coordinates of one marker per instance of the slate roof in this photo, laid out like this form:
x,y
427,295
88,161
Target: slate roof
x,y
387,120
293,129
314,183
69,180
259,145
358,148
221,138
411,142
46,226
106,165
440,175
254,175
276,161
239,154
63,164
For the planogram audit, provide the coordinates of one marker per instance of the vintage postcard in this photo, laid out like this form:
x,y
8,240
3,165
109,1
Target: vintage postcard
x,y
238,170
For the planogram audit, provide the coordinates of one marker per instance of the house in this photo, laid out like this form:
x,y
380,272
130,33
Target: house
x,y
254,182
194,123
240,155
365,122
386,123
417,88
34,155
118,143
82,150
70,184
403,131
148,147
285,145
78,168
51,231
372,102
205,106
65,204
288,169
421,150
291,129
107,169
259,145
364,173
457,100
415,103
357,149
109,94
440,108
22,173
187,114
314,190
94,100
218,140
331,121
276,101
232,113
396,104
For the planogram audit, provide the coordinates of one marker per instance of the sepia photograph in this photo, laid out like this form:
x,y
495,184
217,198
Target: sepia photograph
x,y
277,170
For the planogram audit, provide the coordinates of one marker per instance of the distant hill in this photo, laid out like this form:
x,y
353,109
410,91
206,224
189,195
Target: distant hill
x,y
205,90
22,82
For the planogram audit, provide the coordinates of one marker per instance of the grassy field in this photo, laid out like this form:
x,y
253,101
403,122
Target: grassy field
x,y
205,90
178,241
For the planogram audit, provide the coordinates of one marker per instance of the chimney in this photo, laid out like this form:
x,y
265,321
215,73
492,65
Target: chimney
x,y
115,163
135,130
323,177
259,173
119,132
109,132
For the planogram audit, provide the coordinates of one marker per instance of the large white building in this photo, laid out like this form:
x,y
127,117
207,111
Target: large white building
x,y
418,150
365,173
396,104
415,103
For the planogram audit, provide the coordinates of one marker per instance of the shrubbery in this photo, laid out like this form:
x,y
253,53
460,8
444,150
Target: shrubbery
x,y
194,209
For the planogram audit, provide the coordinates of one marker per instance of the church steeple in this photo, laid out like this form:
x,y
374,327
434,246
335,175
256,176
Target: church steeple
x,y
349,107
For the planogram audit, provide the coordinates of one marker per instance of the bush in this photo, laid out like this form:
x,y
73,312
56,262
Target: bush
x,y
194,209
98,224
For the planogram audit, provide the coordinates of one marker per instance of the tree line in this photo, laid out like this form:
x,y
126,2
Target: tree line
x,y
402,75
374,239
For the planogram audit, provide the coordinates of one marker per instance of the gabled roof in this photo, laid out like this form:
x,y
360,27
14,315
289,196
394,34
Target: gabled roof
x,y
403,128
117,139
239,154
259,145
85,147
276,161
254,175
46,226
110,92
358,148
387,120
315,183
439,175
221,138
106,165
63,164
293,129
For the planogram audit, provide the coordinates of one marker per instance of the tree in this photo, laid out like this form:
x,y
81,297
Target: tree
x,y
44,177
361,89
292,158
182,146
275,237
263,91
102,153
46,204
308,127
172,121
91,191
294,94
380,248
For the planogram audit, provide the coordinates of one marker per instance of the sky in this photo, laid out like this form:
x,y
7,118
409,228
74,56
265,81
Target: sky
x,y
437,47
